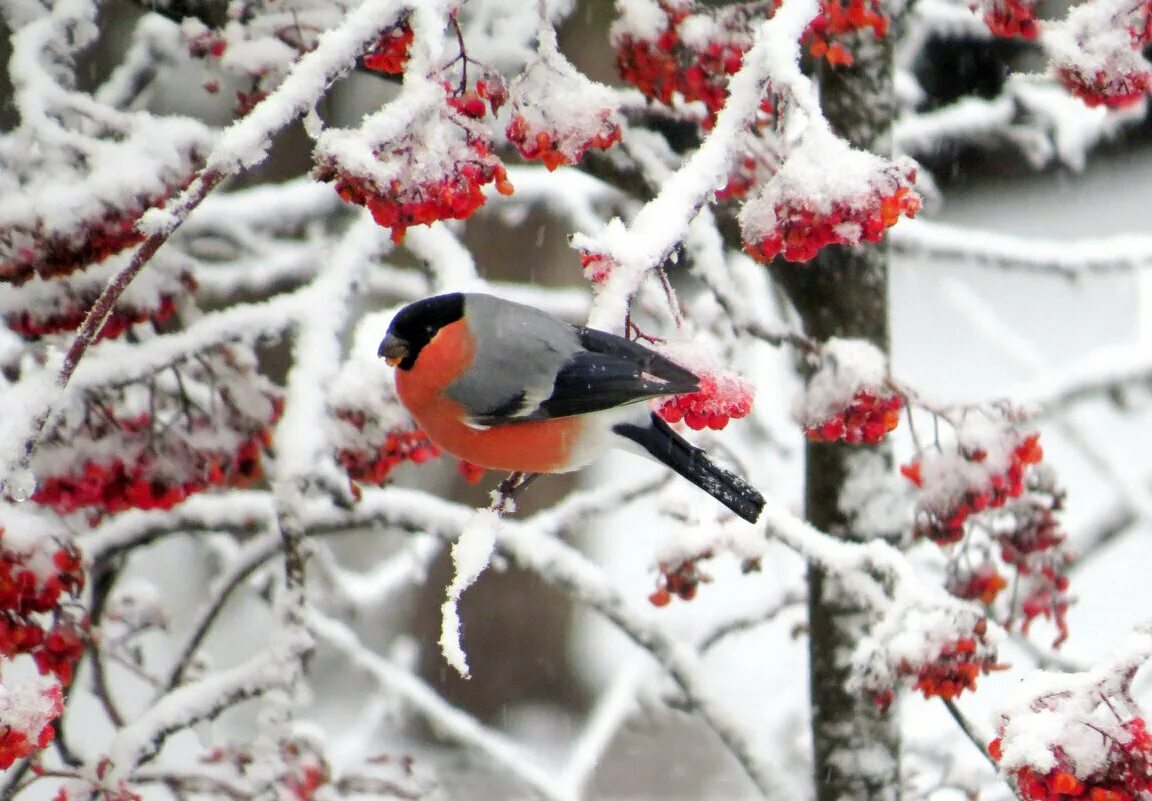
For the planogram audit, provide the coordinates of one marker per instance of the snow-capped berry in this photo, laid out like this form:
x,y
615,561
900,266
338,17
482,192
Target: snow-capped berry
x,y
597,266
723,396
827,193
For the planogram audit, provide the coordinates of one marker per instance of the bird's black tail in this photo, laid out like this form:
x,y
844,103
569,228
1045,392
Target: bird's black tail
x,y
693,464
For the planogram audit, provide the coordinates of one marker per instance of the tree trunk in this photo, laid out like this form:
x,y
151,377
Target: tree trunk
x,y
844,293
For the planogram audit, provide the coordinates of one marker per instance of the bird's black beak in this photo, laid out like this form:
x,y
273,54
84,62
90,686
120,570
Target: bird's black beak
x,y
393,349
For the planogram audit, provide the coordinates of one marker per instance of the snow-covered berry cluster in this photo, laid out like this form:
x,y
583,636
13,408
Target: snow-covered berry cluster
x,y
723,396
991,493
380,452
1079,737
838,18
390,52
90,240
827,193
152,443
44,307
41,577
757,161
302,771
431,170
955,486
1126,773
255,51
1096,52
371,432
1010,18
940,650
670,47
27,710
680,578
981,583
867,419
597,266
558,113
847,397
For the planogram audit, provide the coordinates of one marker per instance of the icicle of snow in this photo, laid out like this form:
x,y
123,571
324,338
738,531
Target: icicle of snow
x,y
470,557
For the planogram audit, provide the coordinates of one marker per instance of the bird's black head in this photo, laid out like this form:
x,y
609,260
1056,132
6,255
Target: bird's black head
x,y
414,326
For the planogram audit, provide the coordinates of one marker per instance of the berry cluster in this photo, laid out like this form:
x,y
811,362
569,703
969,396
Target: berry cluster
x,y
1124,774
868,418
982,583
597,266
957,666
50,255
756,163
377,452
37,578
26,714
1111,88
470,472
1031,544
680,578
996,474
489,93
551,147
301,770
1010,18
115,485
941,650
943,522
150,445
1099,57
390,52
62,306
795,219
722,397
433,170
836,19
692,55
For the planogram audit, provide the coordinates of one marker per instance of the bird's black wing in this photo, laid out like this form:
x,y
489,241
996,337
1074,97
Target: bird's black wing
x,y
610,371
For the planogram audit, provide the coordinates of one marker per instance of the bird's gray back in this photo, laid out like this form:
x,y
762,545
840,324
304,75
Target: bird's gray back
x,y
519,350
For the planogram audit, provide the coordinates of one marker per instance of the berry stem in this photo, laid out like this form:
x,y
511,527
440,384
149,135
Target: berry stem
x,y
969,732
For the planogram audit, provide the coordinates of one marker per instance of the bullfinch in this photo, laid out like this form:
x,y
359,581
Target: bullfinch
x,y
509,387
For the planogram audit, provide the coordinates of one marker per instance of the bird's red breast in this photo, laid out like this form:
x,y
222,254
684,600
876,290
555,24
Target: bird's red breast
x,y
542,446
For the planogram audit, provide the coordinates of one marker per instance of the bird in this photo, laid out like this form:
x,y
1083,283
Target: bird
x,y
510,387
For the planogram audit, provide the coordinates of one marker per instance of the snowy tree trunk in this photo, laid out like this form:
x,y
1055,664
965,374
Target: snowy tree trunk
x,y
844,293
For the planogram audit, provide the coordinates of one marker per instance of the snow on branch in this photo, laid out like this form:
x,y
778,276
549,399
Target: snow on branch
x,y
1105,370
645,243
1071,259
